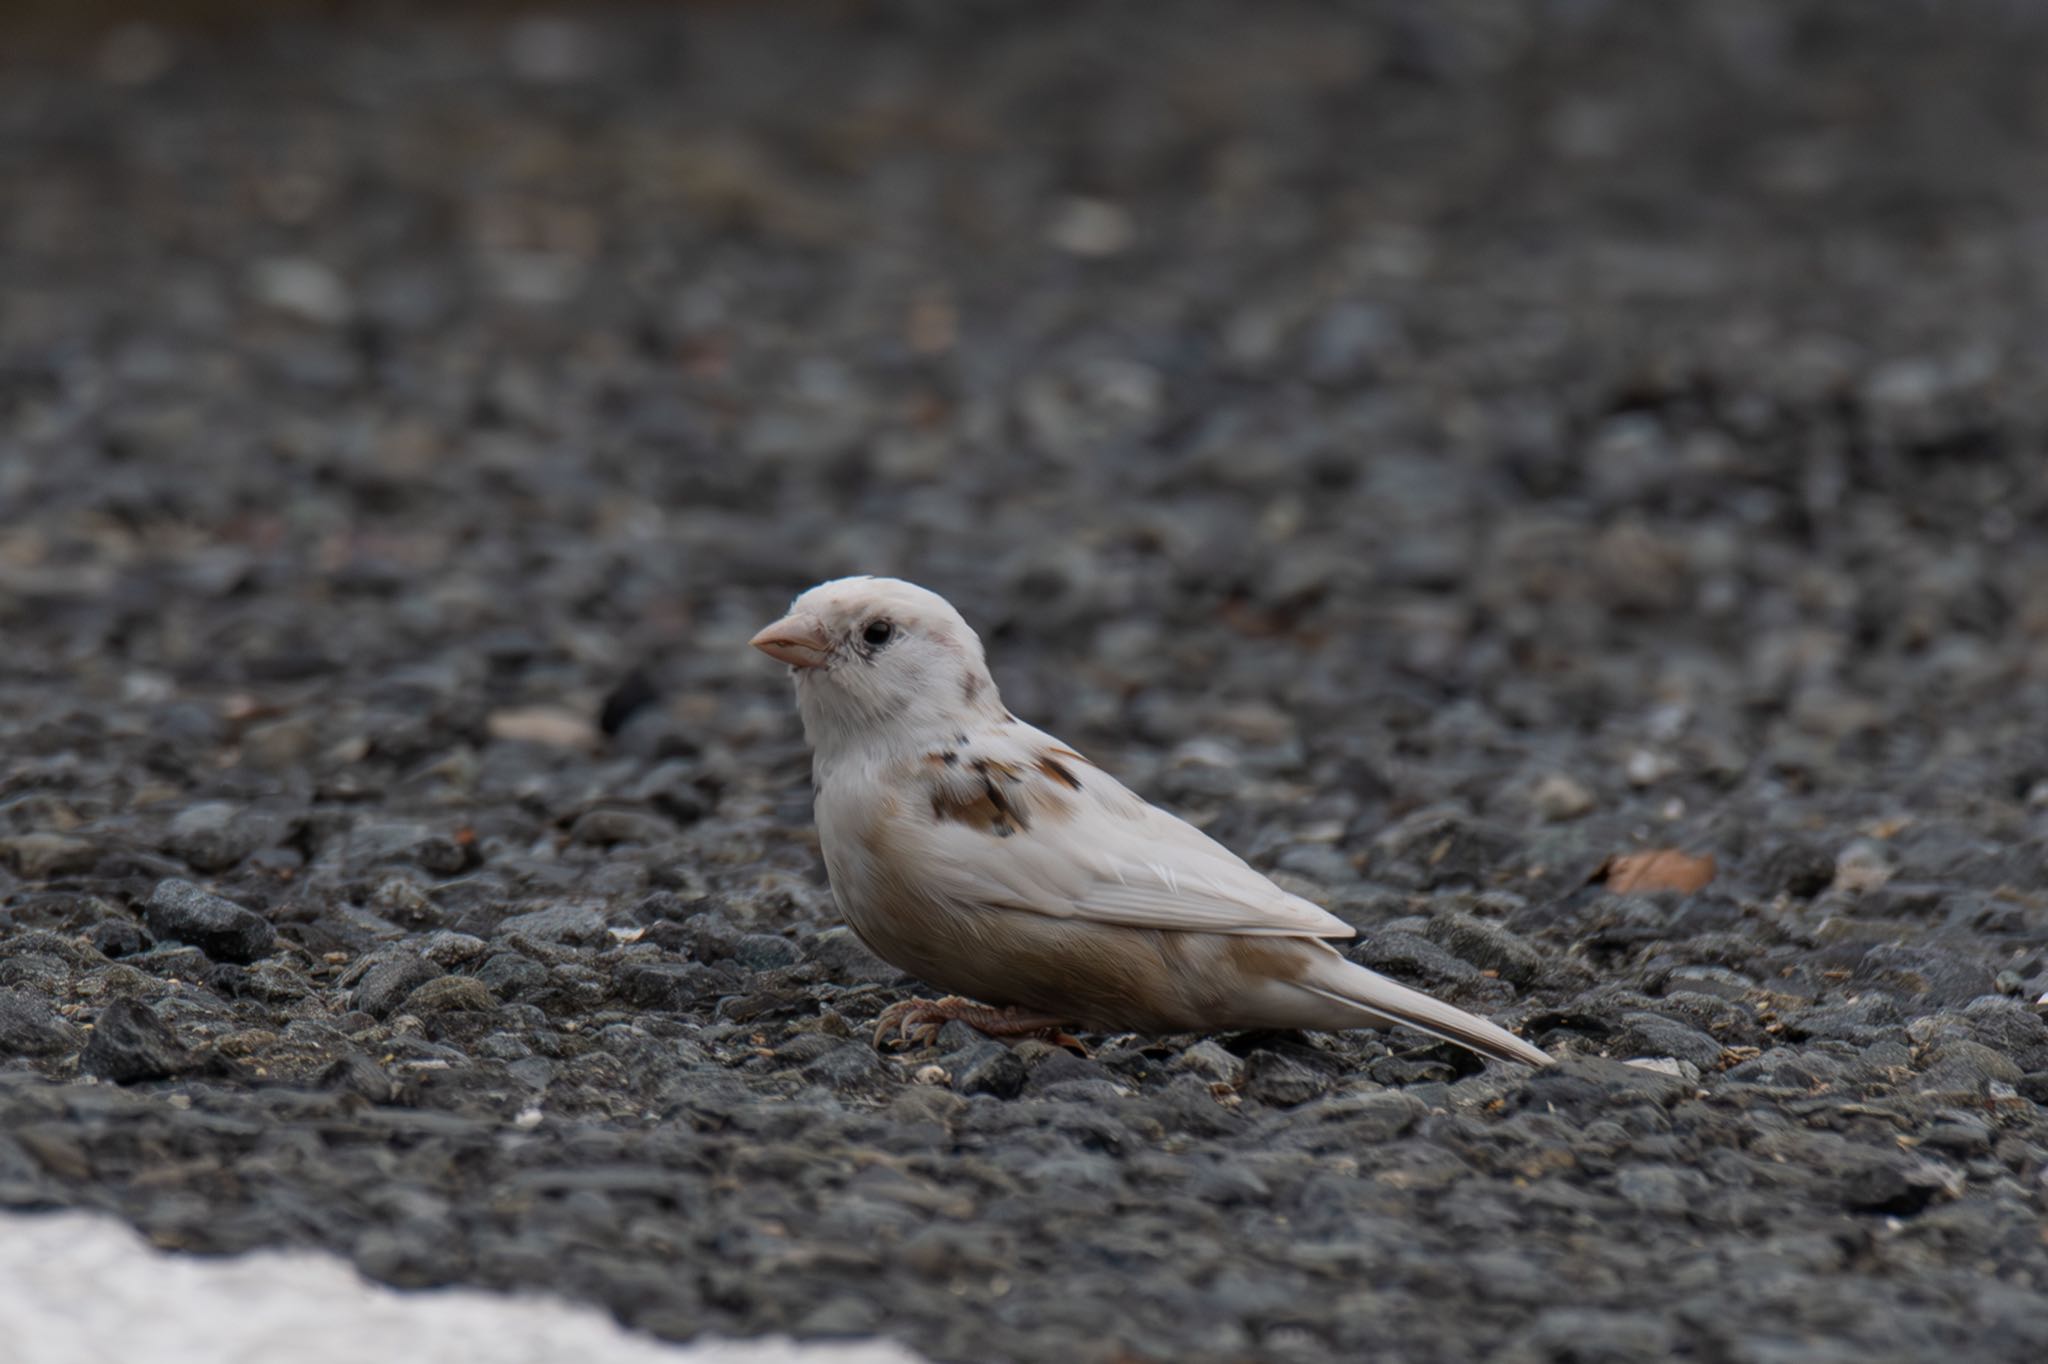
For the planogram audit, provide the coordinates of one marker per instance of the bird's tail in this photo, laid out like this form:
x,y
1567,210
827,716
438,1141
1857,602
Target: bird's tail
x,y
1388,1002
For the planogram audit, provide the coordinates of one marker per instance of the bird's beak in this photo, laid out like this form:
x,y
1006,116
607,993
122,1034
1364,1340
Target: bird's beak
x,y
798,641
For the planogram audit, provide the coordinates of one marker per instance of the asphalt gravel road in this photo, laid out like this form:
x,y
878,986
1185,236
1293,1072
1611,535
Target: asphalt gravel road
x,y
1439,448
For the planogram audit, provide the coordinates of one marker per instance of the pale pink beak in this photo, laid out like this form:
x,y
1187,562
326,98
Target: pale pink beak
x,y
798,641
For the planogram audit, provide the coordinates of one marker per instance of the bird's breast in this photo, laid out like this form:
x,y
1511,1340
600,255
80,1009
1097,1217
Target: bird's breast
x,y
868,878
895,910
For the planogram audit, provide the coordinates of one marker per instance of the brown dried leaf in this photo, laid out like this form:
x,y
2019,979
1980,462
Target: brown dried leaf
x,y
1664,869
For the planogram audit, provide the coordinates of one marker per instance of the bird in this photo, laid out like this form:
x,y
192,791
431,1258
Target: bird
x,y
998,864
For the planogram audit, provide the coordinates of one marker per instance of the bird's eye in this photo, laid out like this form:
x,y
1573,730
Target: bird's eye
x,y
878,633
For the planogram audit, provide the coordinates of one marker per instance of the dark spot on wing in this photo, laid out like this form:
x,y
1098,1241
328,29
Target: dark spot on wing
x,y
971,688
1058,773
944,758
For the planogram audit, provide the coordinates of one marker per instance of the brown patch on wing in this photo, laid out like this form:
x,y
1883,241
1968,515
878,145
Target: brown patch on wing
x,y
981,801
994,796
971,688
985,808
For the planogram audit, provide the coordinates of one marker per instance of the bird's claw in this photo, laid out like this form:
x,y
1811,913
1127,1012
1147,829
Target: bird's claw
x,y
914,1021
918,1022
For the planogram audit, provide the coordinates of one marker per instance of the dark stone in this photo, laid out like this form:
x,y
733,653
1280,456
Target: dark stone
x,y
216,835
677,790
1653,1035
398,843
667,905
672,986
181,912
30,1026
1662,1190
565,924
635,691
847,960
1362,1119
1961,1135
1870,1017
1959,1066
173,963
1899,1185
849,1063
2010,1028
708,935
355,1073
986,1067
1188,1107
806,1046
1801,870
765,952
1586,1087
1933,977
116,937
510,975
1281,1081
442,854
390,982
1412,1070
275,983
450,994
955,1035
1063,1067
1435,849
1487,946
131,1044
1413,959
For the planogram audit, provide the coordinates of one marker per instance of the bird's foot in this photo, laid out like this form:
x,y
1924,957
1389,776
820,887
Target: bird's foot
x,y
917,1021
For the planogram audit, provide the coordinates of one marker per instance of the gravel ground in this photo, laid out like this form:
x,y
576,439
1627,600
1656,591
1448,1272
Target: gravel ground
x,y
1439,447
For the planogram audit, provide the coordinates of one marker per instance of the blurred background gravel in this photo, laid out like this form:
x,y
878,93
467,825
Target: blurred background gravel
x,y
1437,447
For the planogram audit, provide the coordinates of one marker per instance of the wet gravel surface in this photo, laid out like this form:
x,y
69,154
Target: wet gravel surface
x,y
1437,447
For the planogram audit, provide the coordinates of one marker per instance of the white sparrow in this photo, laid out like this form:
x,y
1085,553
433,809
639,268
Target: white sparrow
x,y
993,861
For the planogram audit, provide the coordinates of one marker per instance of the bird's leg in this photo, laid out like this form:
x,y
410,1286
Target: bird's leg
x,y
919,1021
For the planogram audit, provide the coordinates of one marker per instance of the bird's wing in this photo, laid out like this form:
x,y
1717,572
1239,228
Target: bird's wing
x,y
1015,819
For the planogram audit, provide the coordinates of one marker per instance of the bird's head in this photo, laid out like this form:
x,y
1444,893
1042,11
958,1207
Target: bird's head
x,y
873,656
